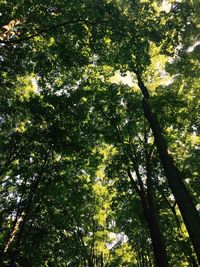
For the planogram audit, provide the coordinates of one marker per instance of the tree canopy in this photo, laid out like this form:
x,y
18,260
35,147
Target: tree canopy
x,y
99,141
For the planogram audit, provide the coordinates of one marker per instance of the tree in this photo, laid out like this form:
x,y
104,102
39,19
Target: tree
x,y
59,104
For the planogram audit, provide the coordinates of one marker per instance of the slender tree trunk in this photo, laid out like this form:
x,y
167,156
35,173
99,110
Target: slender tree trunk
x,y
158,243
102,259
174,176
150,214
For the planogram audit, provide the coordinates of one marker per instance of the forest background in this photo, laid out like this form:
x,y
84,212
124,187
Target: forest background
x,y
99,141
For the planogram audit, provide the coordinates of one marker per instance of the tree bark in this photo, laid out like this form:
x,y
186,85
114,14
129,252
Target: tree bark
x,y
174,176
158,243
150,215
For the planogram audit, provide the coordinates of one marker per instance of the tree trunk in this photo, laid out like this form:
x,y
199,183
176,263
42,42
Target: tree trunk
x,y
150,215
102,259
174,176
158,243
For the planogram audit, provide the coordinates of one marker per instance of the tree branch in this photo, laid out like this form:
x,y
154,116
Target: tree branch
x,y
51,28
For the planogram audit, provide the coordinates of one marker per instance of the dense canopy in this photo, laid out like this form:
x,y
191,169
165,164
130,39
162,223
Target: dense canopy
x,y
99,140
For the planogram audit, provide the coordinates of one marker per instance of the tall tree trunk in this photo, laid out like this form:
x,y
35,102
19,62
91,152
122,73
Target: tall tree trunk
x,y
158,243
174,176
102,260
150,215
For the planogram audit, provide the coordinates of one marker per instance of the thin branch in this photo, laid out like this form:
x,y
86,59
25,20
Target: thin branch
x,y
138,191
172,208
51,28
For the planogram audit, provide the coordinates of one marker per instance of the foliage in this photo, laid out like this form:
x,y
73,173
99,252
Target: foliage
x,y
79,166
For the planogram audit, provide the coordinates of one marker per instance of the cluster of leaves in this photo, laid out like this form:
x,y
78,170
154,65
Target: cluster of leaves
x,y
75,149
